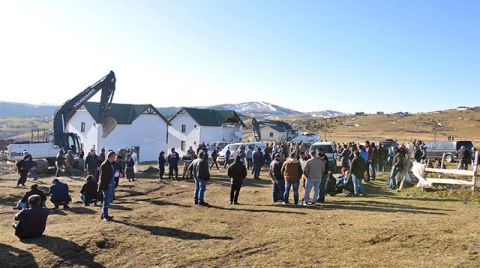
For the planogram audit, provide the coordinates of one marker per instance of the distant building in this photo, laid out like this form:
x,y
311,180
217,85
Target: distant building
x,y
360,113
192,127
140,127
274,130
380,113
462,108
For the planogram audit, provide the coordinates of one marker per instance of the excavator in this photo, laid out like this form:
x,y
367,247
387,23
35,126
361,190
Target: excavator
x,y
48,148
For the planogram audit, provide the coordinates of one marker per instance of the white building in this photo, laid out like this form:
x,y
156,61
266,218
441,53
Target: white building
x,y
274,130
140,127
462,108
192,127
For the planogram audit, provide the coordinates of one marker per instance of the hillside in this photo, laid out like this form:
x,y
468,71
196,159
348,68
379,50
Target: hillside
x,y
14,109
463,125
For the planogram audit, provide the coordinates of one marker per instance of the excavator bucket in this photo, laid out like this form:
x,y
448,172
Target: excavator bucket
x,y
108,125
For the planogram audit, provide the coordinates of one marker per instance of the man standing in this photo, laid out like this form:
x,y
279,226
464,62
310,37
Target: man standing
x,y
314,169
69,163
382,158
228,154
249,158
22,168
161,164
357,170
258,161
201,174
92,162
323,182
397,168
173,159
214,158
292,172
278,181
31,222
187,160
107,184
101,157
30,165
237,172
464,158
345,156
59,162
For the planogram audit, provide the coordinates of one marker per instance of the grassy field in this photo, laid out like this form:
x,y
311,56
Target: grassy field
x,y
463,125
156,225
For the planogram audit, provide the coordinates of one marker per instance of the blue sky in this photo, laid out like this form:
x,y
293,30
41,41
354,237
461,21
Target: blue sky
x,y
305,55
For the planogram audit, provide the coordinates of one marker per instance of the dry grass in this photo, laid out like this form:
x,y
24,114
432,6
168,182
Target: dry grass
x,y
463,125
157,225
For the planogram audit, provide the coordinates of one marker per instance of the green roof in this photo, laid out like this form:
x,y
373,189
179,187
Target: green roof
x,y
210,117
123,113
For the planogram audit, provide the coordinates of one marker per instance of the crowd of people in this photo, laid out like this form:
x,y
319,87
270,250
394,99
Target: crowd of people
x,y
290,167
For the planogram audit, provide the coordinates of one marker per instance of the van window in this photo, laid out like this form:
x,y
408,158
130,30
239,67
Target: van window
x,y
328,149
468,145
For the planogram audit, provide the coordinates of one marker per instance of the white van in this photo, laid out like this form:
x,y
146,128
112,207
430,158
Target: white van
x,y
233,150
330,151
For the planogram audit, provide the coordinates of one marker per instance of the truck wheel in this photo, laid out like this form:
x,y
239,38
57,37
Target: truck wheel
x,y
449,158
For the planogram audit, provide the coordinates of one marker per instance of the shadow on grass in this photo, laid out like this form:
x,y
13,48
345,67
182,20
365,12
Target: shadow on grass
x,y
384,207
120,207
14,257
237,208
70,252
166,203
174,233
82,210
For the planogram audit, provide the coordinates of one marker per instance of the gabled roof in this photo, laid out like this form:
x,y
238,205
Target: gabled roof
x,y
276,125
123,113
210,117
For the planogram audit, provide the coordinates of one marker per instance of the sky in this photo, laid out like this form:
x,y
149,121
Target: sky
x,y
344,55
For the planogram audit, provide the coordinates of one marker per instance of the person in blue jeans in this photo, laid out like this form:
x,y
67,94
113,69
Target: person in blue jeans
x,y
278,181
201,173
357,171
292,172
258,161
30,165
323,180
313,171
107,184
397,167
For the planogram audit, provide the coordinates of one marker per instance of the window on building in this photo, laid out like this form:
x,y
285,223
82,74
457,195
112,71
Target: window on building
x,y
271,134
82,127
184,128
182,145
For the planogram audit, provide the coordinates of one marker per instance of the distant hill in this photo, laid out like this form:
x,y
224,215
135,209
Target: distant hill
x,y
258,109
14,109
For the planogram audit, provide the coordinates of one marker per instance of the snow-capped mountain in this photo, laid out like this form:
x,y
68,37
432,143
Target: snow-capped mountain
x,y
325,114
257,109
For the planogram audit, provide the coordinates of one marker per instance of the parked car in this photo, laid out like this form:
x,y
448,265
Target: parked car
x,y
389,142
233,149
329,150
435,150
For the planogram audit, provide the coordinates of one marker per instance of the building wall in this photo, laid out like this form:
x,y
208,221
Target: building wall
x,y
277,136
175,135
232,133
89,138
148,132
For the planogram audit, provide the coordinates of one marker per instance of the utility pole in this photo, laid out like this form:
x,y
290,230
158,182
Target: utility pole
x,y
326,127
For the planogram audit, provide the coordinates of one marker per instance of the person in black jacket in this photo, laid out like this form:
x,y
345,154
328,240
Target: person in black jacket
x,y
161,164
107,184
357,170
201,173
31,222
278,181
237,172
89,193
23,203
92,163
22,167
